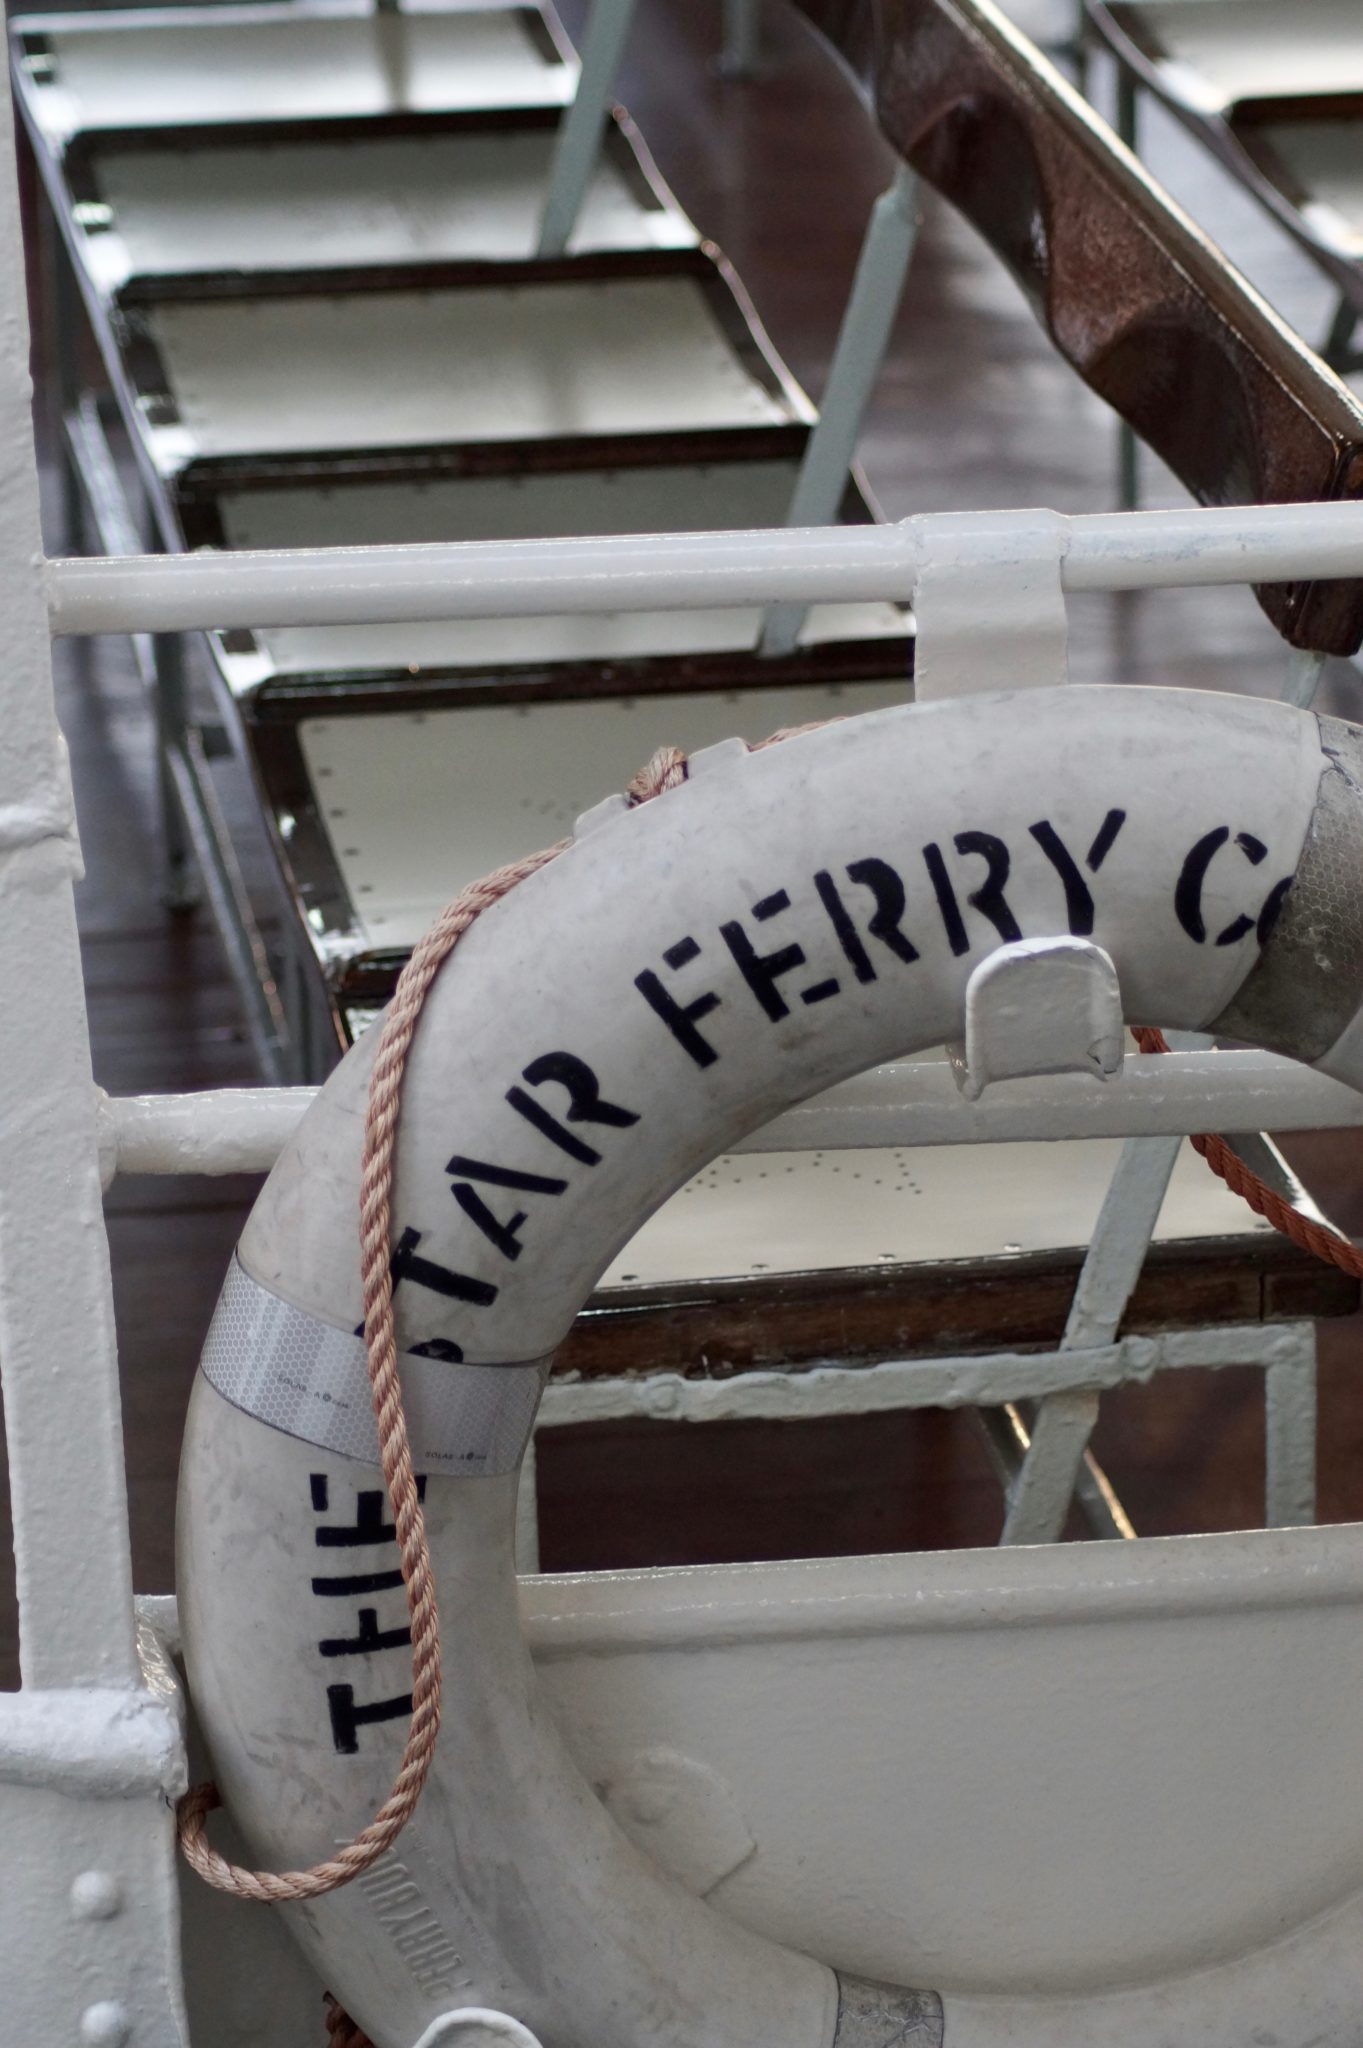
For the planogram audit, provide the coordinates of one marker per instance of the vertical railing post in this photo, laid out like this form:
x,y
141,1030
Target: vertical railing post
x,y
863,338
1039,1499
579,136
57,1348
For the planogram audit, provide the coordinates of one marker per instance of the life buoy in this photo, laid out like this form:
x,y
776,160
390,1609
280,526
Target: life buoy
x,y
682,973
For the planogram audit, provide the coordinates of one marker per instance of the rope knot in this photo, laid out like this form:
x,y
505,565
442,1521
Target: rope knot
x,y
665,770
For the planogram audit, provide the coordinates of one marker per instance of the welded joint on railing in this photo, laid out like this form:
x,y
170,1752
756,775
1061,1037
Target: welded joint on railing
x,y
969,1381
221,1130
98,1742
47,815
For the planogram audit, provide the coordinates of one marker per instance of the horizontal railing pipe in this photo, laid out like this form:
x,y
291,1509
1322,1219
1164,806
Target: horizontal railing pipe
x,y
243,1130
686,571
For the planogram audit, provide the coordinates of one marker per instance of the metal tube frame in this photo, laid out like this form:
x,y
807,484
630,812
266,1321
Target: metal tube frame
x,y
867,324
1103,551
578,146
90,1749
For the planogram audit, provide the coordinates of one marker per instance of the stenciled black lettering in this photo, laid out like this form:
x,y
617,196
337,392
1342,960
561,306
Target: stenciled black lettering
x,y
407,1264
1079,906
1254,851
846,933
681,1019
347,1719
989,898
370,1637
888,901
887,891
1192,882
501,1231
1078,895
549,1127
1103,841
356,1582
763,971
953,924
504,1176
1272,910
368,1526
586,1103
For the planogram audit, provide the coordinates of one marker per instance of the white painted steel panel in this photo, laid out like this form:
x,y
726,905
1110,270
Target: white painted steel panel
x,y
417,804
183,68
406,368
727,495
805,1212
390,199
1046,1771
1229,50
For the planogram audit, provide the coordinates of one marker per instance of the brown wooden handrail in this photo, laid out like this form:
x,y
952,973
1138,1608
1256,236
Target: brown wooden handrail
x,y
1144,306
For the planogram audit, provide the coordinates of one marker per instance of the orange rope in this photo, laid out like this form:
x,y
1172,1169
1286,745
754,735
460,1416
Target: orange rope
x,y
664,771
1319,1239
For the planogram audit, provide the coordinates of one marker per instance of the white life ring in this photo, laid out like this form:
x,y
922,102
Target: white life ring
x,y
685,971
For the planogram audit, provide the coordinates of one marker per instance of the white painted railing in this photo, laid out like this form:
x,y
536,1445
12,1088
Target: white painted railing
x,y
243,1130
688,571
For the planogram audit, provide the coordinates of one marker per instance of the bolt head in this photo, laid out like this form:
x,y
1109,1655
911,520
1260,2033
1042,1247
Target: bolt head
x,y
96,1895
649,1805
105,2025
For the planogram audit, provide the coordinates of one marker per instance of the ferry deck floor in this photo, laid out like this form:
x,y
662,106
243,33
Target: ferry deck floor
x,y
973,411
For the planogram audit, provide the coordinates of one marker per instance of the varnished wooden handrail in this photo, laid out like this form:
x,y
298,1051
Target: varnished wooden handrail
x,y
1144,306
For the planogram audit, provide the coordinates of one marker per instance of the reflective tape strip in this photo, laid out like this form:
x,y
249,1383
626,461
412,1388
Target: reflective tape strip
x,y
872,2015
310,1380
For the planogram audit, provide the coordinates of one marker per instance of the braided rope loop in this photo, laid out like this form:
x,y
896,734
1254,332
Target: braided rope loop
x,y
376,1183
666,770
